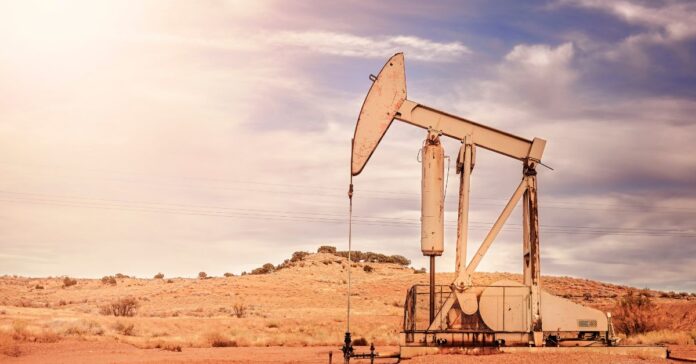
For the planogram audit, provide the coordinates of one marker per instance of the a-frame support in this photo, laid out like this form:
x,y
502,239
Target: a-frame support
x,y
525,191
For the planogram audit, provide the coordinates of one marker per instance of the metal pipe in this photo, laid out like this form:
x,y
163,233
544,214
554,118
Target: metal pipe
x,y
463,211
432,288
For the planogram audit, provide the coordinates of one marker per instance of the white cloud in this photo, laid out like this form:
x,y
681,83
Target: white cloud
x,y
674,21
538,75
323,42
350,45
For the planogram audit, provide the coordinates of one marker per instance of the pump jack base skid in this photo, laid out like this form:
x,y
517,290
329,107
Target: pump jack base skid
x,y
659,352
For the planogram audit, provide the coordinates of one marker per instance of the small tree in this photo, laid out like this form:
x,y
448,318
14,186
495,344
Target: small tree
x,y
228,275
202,275
159,275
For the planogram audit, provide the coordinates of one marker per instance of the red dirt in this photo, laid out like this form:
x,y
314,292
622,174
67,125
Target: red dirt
x,y
82,352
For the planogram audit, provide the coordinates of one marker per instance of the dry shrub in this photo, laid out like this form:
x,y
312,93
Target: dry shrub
x,y
8,346
217,340
228,275
358,256
298,256
169,347
202,275
67,282
368,269
125,307
264,269
110,280
361,341
84,327
124,329
634,314
38,286
239,310
327,249
663,337
23,332
159,275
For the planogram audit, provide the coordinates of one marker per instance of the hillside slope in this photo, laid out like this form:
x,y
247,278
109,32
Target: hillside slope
x,y
302,304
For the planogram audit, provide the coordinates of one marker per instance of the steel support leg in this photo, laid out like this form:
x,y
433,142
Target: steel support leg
x,y
534,272
432,289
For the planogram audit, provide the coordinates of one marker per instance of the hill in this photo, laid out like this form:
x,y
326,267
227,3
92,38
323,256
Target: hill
x,y
302,303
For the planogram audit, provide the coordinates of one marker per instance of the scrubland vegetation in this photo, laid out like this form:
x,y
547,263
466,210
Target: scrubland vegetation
x,y
300,302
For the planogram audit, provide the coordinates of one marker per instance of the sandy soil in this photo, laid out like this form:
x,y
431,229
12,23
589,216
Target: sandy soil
x,y
294,314
81,352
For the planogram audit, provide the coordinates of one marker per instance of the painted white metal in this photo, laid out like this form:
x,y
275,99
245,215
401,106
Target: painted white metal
x,y
560,314
432,203
481,135
507,308
504,307
387,93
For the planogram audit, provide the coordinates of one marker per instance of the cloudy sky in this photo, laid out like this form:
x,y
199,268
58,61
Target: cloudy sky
x,y
180,137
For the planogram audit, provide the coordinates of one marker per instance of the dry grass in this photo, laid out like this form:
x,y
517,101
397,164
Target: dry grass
x,y
126,329
8,345
302,304
218,340
663,337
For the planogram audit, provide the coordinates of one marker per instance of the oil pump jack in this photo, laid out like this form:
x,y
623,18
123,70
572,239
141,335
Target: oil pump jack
x,y
461,314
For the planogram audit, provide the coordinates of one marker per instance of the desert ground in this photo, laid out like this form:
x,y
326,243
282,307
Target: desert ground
x,y
293,314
